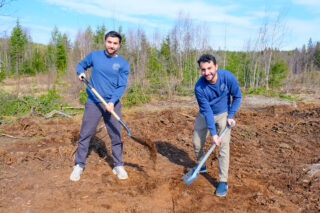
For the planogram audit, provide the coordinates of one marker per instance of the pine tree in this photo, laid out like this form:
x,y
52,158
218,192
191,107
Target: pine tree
x,y
57,51
38,62
18,41
98,38
278,73
317,55
61,56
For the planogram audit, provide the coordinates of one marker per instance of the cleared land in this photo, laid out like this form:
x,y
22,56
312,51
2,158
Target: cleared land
x,y
274,167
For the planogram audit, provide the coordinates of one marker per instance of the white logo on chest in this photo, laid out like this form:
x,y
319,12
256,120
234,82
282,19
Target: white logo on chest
x,y
116,66
223,87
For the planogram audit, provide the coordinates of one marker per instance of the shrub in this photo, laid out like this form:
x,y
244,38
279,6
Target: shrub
x,y
263,91
83,96
13,105
135,96
2,72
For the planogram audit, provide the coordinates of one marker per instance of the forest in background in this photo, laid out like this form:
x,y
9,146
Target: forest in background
x,y
164,66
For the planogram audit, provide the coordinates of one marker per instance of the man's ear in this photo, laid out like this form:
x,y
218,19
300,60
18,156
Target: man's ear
x,y
217,66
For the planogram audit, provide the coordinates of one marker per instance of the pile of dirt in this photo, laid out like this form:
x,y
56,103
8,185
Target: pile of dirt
x,y
274,164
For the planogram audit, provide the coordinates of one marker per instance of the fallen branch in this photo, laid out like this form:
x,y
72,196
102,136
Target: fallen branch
x,y
52,113
72,107
188,116
9,136
304,122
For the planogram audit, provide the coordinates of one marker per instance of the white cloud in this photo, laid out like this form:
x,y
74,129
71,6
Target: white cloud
x,y
162,14
136,11
7,18
6,24
310,3
302,30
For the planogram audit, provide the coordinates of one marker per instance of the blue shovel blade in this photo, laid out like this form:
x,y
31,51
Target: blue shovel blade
x,y
191,179
190,176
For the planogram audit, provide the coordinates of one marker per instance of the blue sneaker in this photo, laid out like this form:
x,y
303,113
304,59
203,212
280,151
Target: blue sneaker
x,y
203,169
222,188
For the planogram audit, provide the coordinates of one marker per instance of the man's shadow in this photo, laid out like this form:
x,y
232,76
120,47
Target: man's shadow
x,y
98,146
180,157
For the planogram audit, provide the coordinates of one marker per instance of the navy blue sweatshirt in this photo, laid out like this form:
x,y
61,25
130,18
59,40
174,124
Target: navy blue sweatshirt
x,y
214,99
108,75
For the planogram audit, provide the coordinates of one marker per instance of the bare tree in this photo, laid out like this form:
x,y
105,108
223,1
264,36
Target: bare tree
x,y
4,2
275,41
270,38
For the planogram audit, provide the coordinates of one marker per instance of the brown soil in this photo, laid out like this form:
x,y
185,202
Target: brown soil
x,y
274,165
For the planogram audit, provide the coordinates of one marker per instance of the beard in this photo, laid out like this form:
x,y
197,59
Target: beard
x,y
210,78
111,51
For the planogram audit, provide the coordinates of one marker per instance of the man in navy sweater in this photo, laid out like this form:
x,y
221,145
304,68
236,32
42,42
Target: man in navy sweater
x,y
109,76
213,91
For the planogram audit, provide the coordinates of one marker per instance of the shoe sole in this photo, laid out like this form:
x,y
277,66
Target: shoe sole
x,y
221,195
74,179
121,178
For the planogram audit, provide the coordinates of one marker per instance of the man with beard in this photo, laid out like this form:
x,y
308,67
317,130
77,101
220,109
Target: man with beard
x,y
108,76
213,91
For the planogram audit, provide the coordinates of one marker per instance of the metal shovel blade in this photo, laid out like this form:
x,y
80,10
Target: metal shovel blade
x,y
194,172
126,127
190,176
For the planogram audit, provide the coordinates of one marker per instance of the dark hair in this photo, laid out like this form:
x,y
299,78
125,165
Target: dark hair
x,y
207,58
113,34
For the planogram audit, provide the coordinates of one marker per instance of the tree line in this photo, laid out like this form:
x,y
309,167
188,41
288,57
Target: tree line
x,y
163,65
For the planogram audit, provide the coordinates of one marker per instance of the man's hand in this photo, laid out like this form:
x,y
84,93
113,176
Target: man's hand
x,y
81,75
230,121
110,107
216,140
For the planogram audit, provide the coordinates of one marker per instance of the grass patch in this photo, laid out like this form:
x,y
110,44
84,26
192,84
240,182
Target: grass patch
x,y
11,105
135,96
82,96
184,91
271,93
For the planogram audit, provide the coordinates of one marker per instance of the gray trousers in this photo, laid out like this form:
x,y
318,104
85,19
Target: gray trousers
x,y
200,134
91,117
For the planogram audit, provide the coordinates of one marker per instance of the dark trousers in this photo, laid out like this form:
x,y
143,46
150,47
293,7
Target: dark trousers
x,y
91,117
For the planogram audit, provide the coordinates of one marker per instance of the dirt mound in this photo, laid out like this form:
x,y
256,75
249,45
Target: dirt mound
x,y
150,145
274,165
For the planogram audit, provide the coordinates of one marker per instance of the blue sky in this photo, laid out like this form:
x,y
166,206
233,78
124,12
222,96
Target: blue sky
x,y
229,23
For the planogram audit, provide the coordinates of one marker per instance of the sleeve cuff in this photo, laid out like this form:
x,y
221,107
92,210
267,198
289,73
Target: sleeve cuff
x,y
230,116
213,132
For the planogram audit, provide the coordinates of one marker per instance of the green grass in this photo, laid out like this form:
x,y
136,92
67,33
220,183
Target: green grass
x,y
135,96
248,131
11,105
271,93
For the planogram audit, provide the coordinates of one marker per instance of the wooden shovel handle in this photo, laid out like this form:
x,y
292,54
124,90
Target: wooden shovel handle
x,y
100,98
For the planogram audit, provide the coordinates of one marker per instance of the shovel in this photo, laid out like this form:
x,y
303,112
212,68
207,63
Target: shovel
x,y
145,142
105,103
194,172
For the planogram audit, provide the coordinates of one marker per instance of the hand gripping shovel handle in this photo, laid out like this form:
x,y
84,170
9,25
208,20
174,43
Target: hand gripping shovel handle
x,y
105,103
193,173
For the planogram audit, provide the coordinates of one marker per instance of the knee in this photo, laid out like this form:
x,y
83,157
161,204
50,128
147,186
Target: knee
x,y
196,145
117,142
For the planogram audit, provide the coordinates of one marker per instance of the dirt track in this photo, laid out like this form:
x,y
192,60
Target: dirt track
x,y
274,167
